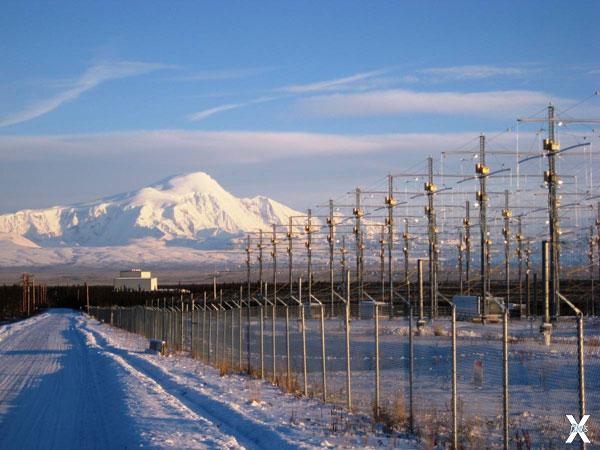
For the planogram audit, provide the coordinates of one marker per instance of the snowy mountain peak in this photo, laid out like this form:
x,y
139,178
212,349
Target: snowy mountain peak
x,y
192,182
190,210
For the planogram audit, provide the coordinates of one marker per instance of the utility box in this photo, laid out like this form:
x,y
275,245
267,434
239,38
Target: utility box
x,y
157,346
468,307
516,311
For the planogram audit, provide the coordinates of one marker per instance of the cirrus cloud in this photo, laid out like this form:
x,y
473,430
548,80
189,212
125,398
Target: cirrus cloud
x,y
400,101
91,78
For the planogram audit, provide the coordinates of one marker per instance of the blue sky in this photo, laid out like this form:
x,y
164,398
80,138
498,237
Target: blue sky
x,y
295,100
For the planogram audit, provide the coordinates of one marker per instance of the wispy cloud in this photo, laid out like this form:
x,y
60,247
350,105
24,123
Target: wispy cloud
x,y
91,78
475,71
224,74
334,84
397,101
201,115
217,147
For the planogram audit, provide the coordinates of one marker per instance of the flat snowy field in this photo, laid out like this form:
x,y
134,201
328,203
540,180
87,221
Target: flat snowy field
x,y
69,382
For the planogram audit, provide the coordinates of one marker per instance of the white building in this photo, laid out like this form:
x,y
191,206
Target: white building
x,y
135,280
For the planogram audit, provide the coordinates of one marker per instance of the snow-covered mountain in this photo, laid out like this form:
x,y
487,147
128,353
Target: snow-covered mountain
x,y
189,211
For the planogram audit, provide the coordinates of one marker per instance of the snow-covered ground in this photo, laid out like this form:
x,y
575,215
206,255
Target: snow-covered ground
x,y
543,380
71,382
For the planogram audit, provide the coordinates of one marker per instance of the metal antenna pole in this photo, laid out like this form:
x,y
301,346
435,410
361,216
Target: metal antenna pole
x,y
546,328
552,180
430,190
382,264
345,271
527,277
506,214
308,243
391,203
260,260
331,241
467,224
406,249
358,213
461,249
274,257
598,250
591,261
520,258
290,256
421,321
482,171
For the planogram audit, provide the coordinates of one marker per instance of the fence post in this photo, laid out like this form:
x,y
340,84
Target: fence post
x,y
505,376
248,320
204,352
527,292
218,314
323,353
240,330
182,327
163,323
262,337
232,336
210,311
347,323
376,331
224,342
303,328
173,324
535,294
192,327
154,331
287,346
411,353
224,311
580,358
225,334
273,348
454,386
581,370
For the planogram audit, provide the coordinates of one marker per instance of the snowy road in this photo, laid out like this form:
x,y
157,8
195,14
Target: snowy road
x,y
67,382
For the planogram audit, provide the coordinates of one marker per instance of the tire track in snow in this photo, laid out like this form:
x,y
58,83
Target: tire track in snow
x,y
216,439
60,391
248,432
49,395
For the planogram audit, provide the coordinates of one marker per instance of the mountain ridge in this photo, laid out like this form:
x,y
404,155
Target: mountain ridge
x,y
191,210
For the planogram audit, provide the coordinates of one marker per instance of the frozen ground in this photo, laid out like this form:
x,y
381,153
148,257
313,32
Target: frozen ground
x,y
67,382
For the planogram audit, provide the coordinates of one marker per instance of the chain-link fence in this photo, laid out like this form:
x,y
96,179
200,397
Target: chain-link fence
x,y
452,382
